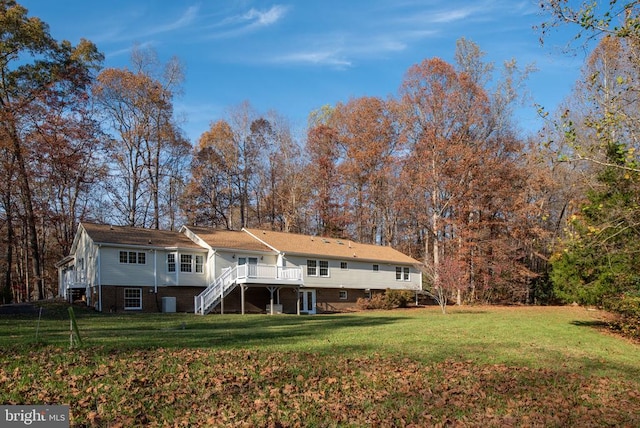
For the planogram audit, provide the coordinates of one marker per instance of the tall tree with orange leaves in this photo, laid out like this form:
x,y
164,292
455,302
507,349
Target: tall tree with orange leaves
x,y
367,138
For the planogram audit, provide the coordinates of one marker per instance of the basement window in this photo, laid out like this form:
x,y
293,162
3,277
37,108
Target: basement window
x,y
132,298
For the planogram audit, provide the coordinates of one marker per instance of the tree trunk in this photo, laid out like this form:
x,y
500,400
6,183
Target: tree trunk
x,y
7,292
30,217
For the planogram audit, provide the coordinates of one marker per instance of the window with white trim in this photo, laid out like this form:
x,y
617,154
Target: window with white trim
x,y
132,298
190,263
342,295
171,262
402,273
133,257
376,268
312,268
324,267
185,263
344,266
318,268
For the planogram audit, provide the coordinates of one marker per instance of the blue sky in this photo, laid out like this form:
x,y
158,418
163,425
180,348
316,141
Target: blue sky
x,y
296,56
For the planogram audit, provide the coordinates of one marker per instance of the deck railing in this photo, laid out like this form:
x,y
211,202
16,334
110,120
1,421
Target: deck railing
x,y
232,276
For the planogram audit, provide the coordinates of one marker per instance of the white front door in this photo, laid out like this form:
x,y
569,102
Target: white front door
x,y
308,301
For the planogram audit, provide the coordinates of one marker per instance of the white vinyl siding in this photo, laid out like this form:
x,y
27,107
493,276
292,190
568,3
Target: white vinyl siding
x,y
161,268
359,274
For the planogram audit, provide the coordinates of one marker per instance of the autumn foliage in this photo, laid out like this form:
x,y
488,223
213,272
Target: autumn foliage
x,y
440,169
198,387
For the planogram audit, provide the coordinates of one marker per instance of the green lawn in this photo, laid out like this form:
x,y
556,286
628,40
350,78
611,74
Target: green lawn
x,y
489,366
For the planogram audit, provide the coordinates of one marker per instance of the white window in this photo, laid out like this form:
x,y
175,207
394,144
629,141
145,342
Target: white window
x,y
312,268
344,265
402,273
343,295
186,261
318,268
189,263
132,298
324,267
171,262
376,268
132,257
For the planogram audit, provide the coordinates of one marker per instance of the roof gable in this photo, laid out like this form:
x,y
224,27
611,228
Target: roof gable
x,y
227,239
291,243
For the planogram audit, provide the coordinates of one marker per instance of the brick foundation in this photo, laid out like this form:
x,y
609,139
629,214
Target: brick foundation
x,y
113,298
256,299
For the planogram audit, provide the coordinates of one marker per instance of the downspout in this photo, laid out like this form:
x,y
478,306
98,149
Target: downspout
x,y
155,271
211,267
99,280
177,267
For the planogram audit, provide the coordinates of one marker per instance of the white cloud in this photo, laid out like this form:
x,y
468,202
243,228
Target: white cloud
x,y
264,18
450,15
187,18
248,22
319,57
120,33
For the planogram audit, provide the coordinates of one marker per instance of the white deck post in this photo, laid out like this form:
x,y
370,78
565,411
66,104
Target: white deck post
x,y
242,299
271,290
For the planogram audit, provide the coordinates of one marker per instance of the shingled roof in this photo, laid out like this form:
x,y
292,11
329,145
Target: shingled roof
x,y
246,240
125,235
290,243
228,239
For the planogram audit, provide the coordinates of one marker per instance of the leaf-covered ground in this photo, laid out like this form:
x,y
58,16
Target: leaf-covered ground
x,y
203,387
